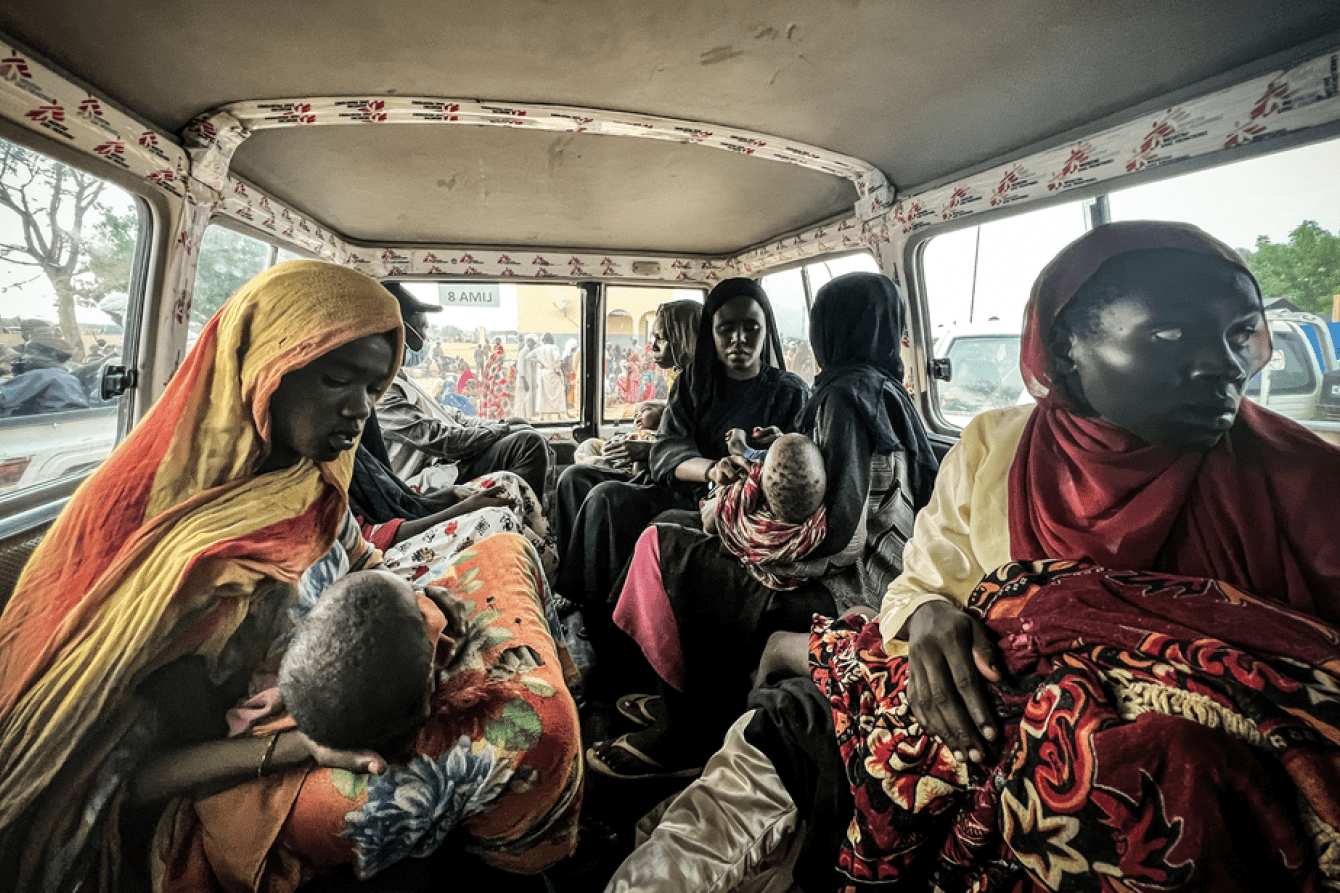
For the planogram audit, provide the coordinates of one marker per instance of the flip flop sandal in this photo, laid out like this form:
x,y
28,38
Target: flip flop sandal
x,y
637,709
596,753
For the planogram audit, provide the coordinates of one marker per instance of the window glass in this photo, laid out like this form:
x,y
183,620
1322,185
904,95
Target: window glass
x,y
502,350
67,250
1282,214
227,260
822,272
630,376
977,282
788,292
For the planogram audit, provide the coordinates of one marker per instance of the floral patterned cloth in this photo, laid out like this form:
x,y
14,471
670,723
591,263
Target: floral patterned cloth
x,y
1159,733
498,762
426,554
498,387
762,541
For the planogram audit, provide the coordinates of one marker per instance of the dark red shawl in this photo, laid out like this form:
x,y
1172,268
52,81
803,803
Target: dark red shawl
x,y
1253,511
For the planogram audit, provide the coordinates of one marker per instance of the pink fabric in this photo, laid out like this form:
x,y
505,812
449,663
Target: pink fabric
x,y
265,704
644,612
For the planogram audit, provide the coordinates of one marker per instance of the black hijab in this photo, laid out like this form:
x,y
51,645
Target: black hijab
x,y
856,330
702,373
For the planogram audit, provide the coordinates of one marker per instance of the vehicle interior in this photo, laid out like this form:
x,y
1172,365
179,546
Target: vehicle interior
x,y
576,164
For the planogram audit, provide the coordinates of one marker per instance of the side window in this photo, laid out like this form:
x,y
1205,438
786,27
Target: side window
x,y
68,242
501,350
1282,214
792,294
227,260
630,376
977,281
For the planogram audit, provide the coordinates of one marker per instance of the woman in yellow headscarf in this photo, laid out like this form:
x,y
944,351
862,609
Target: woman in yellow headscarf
x,y
162,584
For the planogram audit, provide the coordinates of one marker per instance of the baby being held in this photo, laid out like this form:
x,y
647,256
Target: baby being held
x,y
361,669
775,515
595,451
793,477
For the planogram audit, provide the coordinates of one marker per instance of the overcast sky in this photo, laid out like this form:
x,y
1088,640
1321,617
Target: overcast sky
x,y
1267,196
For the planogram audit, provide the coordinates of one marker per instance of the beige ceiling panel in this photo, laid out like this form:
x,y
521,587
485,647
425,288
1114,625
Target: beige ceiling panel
x,y
485,185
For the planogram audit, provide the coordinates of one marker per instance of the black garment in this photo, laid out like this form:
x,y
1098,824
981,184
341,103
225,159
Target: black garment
x,y
772,397
704,404
724,617
524,453
602,538
376,495
574,484
793,726
856,330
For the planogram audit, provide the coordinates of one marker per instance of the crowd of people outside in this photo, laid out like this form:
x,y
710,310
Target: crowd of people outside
x,y
535,376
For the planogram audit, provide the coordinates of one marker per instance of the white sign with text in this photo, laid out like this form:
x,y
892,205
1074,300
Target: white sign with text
x,y
469,294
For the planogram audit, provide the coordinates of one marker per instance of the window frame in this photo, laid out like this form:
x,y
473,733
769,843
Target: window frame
x,y
40,503
1094,196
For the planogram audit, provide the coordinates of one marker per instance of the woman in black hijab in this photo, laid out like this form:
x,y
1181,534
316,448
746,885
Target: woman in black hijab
x,y
673,335
880,471
735,380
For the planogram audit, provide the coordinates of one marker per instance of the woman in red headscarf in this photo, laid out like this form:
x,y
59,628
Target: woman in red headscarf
x,y
1111,652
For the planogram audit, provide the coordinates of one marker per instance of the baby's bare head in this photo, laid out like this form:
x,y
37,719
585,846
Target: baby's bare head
x,y
794,480
648,415
358,671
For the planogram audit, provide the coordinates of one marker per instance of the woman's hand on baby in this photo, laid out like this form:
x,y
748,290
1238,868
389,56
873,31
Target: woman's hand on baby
x,y
950,658
728,470
366,762
626,452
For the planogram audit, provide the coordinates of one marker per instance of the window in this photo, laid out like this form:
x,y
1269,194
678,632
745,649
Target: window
x,y
792,294
68,243
977,282
1282,214
630,376
502,350
227,261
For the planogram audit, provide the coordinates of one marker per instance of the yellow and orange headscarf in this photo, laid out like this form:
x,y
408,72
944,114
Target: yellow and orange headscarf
x,y
160,551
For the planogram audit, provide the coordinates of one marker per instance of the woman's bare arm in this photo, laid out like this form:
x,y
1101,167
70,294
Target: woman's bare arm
x,y
494,496
215,765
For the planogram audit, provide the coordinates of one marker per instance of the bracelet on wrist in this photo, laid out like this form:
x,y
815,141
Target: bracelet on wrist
x,y
264,766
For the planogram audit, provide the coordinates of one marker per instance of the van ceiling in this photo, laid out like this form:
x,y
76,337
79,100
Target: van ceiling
x,y
920,89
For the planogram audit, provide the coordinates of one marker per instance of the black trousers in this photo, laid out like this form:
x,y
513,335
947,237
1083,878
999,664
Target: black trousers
x,y
524,453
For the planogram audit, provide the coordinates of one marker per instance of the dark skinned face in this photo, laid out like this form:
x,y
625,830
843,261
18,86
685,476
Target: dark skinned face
x,y
1168,362
318,411
737,330
660,346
